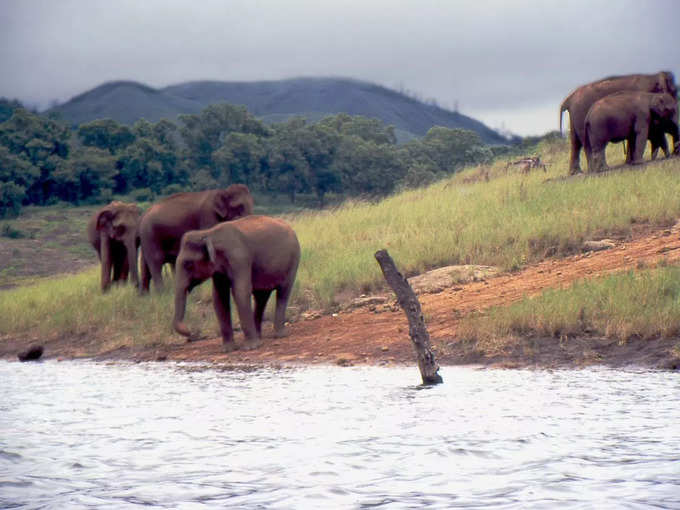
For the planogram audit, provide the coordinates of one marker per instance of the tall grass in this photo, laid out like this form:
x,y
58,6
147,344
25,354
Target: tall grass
x,y
636,304
73,306
508,221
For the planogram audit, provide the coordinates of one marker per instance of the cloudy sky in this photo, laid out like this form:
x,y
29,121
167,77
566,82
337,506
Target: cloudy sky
x,y
508,63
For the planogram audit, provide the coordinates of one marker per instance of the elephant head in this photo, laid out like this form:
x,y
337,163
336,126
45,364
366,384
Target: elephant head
x,y
195,264
668,83
118,222
233,202
664,115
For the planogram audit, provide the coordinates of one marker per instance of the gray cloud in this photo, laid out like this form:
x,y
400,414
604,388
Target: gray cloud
x,y
505,62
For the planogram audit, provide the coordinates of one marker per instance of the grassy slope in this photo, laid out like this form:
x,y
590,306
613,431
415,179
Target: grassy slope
x,y
508,221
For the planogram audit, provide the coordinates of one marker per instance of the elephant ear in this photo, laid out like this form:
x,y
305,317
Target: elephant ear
x,y
233,202
105,219
662,105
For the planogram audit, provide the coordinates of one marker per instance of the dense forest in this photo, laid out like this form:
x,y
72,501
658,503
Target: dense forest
x,y
43,160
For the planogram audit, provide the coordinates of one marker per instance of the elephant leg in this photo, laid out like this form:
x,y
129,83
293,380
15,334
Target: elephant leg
x,y
638,142
155,267
242,289
222,306
261,298
574,156
145,279
282,297
598,160
663,145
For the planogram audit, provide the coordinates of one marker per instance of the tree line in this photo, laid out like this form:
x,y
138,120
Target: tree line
x,y
43,160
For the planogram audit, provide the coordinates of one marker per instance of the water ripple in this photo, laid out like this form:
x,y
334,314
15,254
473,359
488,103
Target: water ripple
x,y
89,435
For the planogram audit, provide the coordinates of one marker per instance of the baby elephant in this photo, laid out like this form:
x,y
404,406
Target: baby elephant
x,y
631,116
253,255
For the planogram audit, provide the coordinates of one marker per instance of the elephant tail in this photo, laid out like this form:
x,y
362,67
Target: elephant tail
x,y
564,107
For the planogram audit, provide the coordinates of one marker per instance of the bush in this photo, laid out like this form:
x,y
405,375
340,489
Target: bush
x,y
143,195
172,189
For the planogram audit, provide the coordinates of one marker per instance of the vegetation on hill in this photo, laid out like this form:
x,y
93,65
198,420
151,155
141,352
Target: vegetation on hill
x,y
270,101
43,161
485,214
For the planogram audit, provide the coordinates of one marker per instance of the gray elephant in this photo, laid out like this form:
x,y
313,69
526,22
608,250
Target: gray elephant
x,y
113,233
629,116
579,102
162,226
250,256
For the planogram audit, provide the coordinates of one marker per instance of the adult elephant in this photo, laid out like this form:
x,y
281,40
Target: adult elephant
x,y
162,226
254,256
629,116
580,101
113,233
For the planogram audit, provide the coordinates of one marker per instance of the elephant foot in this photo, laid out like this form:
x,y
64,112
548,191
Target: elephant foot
x,y
250,345
281,332
229,346
575,171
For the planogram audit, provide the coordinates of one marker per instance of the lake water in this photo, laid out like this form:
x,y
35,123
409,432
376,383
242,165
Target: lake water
x,y
164,435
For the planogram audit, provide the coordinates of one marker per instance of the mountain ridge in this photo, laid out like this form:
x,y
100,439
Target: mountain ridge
x,y
271,101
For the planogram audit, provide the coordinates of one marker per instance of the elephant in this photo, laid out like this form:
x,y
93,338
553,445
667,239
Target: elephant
x,y
162,226
113,232
657,137
629,116
579,102
253,255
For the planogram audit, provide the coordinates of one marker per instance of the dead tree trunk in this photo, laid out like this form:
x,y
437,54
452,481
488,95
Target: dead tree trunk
x,y
416,324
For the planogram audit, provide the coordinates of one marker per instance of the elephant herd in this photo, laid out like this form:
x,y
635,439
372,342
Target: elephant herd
x,y
207,234
214,234
633,108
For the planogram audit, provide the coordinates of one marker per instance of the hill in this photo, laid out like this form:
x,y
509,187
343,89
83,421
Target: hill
x,y
272,101
125,102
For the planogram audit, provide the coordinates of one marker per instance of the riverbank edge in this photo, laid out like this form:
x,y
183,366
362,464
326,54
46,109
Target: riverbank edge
x,y
518,353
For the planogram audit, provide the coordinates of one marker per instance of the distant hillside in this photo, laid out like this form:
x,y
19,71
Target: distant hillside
x,y
272,101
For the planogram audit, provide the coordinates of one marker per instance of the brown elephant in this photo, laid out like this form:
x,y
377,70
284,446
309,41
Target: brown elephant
x,y
248,256
113,233
579,102
657,137
629,116
162,226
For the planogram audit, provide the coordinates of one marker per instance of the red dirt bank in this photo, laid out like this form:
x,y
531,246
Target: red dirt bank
x,y
379,334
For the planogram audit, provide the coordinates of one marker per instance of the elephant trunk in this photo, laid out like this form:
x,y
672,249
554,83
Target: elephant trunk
x,y
181,291
105,256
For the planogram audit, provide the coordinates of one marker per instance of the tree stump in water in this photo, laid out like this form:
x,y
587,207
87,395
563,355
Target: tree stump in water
x,y
416,324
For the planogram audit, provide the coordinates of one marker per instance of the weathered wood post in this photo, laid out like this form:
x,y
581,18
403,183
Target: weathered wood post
x,y
416,324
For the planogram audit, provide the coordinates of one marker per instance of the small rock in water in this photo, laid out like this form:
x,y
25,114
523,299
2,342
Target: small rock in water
x,y
33,353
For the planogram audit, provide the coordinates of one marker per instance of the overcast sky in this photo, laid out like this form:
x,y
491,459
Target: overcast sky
x,y
507,63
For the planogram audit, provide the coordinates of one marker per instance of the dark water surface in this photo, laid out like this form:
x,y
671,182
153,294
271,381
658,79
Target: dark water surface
x,y
94,435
